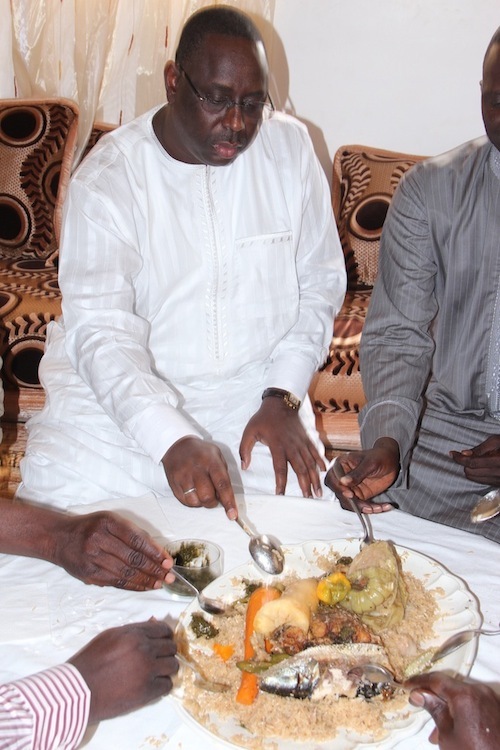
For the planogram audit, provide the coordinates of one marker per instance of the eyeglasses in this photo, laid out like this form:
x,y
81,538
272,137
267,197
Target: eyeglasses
x,y
250,108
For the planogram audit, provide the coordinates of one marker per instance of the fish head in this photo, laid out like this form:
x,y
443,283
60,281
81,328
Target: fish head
x,y
297,677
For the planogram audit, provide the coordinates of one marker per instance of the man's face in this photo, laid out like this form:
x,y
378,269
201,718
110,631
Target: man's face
x,y
490,97
223,67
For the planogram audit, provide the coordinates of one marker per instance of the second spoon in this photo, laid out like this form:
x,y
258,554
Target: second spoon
x,y
212,606
486,507
265,550
339,472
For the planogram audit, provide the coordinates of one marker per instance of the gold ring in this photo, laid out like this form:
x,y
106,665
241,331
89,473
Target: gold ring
x,y
188,492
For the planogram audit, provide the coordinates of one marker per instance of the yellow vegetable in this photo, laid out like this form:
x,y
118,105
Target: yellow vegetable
x,y
295,607
333,588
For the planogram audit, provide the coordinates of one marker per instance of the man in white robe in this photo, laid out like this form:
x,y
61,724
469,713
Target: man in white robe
x,y
200,271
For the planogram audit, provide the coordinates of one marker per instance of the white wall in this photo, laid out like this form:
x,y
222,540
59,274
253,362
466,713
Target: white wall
x,y
398,74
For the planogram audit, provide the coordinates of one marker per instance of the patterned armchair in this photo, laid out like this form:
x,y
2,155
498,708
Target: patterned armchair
x,y
364,181
37,141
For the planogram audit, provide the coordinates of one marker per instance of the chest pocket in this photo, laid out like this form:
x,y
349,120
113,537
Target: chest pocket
x,y
267,289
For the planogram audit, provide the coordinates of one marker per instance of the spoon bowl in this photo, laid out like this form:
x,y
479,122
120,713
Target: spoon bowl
x,y
265,550
374,673
212,606
486,507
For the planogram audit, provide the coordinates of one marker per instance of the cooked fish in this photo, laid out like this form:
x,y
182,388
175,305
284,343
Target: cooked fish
x,y
322,670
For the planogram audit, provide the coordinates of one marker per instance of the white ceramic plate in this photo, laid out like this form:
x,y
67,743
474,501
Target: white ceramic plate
x,y
458,610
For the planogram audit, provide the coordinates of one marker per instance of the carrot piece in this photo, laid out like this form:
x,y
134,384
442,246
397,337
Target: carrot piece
x,y
248,689
258,598
249,685
225,651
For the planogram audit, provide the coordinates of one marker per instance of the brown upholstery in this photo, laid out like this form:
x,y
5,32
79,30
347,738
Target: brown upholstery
x,y
364,181
37,141
98,130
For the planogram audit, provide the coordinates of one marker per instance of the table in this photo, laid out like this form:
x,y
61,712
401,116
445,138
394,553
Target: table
x,y
47,615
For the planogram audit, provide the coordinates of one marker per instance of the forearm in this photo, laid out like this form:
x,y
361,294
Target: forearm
x,y
44,711
106,335
385,422
397,346
30,530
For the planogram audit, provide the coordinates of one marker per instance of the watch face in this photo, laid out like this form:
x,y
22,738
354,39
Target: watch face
x,y
292,401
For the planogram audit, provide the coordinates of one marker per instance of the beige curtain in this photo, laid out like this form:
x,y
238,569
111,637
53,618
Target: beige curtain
x,y
107,55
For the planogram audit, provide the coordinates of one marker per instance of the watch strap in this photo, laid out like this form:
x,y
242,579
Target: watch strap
x,y
290,400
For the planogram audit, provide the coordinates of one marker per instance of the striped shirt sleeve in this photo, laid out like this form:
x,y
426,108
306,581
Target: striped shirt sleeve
x,y
45,711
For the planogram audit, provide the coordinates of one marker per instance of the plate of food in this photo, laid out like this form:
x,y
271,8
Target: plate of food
x,y
287,644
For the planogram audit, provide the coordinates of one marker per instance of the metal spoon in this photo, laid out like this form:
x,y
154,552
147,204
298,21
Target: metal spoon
x,y
378,673
265,550
212,606
459,639
339,472
200,680
486,507
365,521
374,673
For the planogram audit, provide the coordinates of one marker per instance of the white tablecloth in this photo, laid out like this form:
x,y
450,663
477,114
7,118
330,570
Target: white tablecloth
x,y
46,615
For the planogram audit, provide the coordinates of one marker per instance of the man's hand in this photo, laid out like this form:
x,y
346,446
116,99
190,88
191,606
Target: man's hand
x,y
280,428
365,474
467,715
482,463
127,667
107,550
198,475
